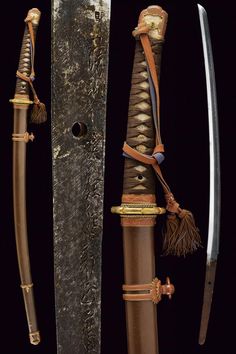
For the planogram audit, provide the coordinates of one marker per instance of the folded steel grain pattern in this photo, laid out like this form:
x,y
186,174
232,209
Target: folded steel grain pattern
x,y
80,36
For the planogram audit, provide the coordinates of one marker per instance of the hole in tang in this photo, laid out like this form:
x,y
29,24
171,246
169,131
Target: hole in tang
x,y
79,129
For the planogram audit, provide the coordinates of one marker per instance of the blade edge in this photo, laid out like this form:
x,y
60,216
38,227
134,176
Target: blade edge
x,y
214,193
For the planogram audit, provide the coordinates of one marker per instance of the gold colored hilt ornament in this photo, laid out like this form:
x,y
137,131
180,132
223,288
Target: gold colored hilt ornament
x,y
136,209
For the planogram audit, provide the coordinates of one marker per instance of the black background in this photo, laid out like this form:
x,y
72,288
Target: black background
x,y
185,135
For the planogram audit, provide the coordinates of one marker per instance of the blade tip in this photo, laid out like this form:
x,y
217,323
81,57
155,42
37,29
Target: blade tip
x,y
201,9
201,340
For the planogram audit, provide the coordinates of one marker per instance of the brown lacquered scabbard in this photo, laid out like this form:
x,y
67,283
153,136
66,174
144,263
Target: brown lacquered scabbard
x,y
19,195
139,268
138,211
20,138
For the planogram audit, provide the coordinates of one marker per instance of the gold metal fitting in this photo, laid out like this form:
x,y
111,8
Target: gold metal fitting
x,y
34,337
33,16
148,292
137,209
156,19
26,287
25,137
168,288
159,289
21,101
153,21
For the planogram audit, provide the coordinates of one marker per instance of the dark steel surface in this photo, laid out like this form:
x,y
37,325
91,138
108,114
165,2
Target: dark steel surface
x,y
207,300
80,33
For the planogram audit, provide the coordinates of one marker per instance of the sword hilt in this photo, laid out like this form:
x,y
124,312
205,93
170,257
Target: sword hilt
x,y
26,61
141,130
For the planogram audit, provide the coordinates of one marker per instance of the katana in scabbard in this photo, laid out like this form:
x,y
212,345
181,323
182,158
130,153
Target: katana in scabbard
x,y
20,137
138,211
144,153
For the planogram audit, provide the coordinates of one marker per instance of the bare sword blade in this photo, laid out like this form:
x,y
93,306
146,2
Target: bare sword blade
x,y
80,37
215,187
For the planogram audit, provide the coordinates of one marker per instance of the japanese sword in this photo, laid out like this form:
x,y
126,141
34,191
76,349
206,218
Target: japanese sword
x,y
20,137
138,211
215,186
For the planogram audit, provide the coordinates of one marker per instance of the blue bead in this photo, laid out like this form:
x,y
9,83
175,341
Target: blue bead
x,y
159,157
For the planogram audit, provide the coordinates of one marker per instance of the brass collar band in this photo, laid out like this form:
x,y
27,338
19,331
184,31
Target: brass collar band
x,y
21,101
137,209
148,292
25,137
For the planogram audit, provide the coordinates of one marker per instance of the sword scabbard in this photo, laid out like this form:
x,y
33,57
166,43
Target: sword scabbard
x,y
20,137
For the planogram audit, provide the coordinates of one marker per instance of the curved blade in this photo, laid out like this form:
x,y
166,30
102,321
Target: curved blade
x,y
214,197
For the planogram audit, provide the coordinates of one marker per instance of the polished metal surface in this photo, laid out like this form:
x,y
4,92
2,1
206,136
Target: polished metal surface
x,y
215,185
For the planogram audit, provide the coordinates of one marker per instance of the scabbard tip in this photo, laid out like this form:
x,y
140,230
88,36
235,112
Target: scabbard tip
x,y
202,335
201,341
34,338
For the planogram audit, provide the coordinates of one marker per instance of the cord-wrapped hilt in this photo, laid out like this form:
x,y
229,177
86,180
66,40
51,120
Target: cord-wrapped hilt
x,y
26,73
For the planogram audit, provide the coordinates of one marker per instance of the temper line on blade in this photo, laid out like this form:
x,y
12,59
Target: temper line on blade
x,y
209,72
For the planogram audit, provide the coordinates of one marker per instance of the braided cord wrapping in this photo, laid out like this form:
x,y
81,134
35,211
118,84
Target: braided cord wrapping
x,y
139,178
144,144
25,73
26,61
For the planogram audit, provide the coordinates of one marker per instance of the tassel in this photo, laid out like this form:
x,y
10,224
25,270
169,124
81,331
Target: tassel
x,y
39,113
181,236
171,228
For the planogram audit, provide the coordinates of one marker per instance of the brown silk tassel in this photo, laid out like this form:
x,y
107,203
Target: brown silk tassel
x,y
39,113
181,236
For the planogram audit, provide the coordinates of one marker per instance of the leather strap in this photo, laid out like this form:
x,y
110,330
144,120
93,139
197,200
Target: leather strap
x,y
149,160
30,82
